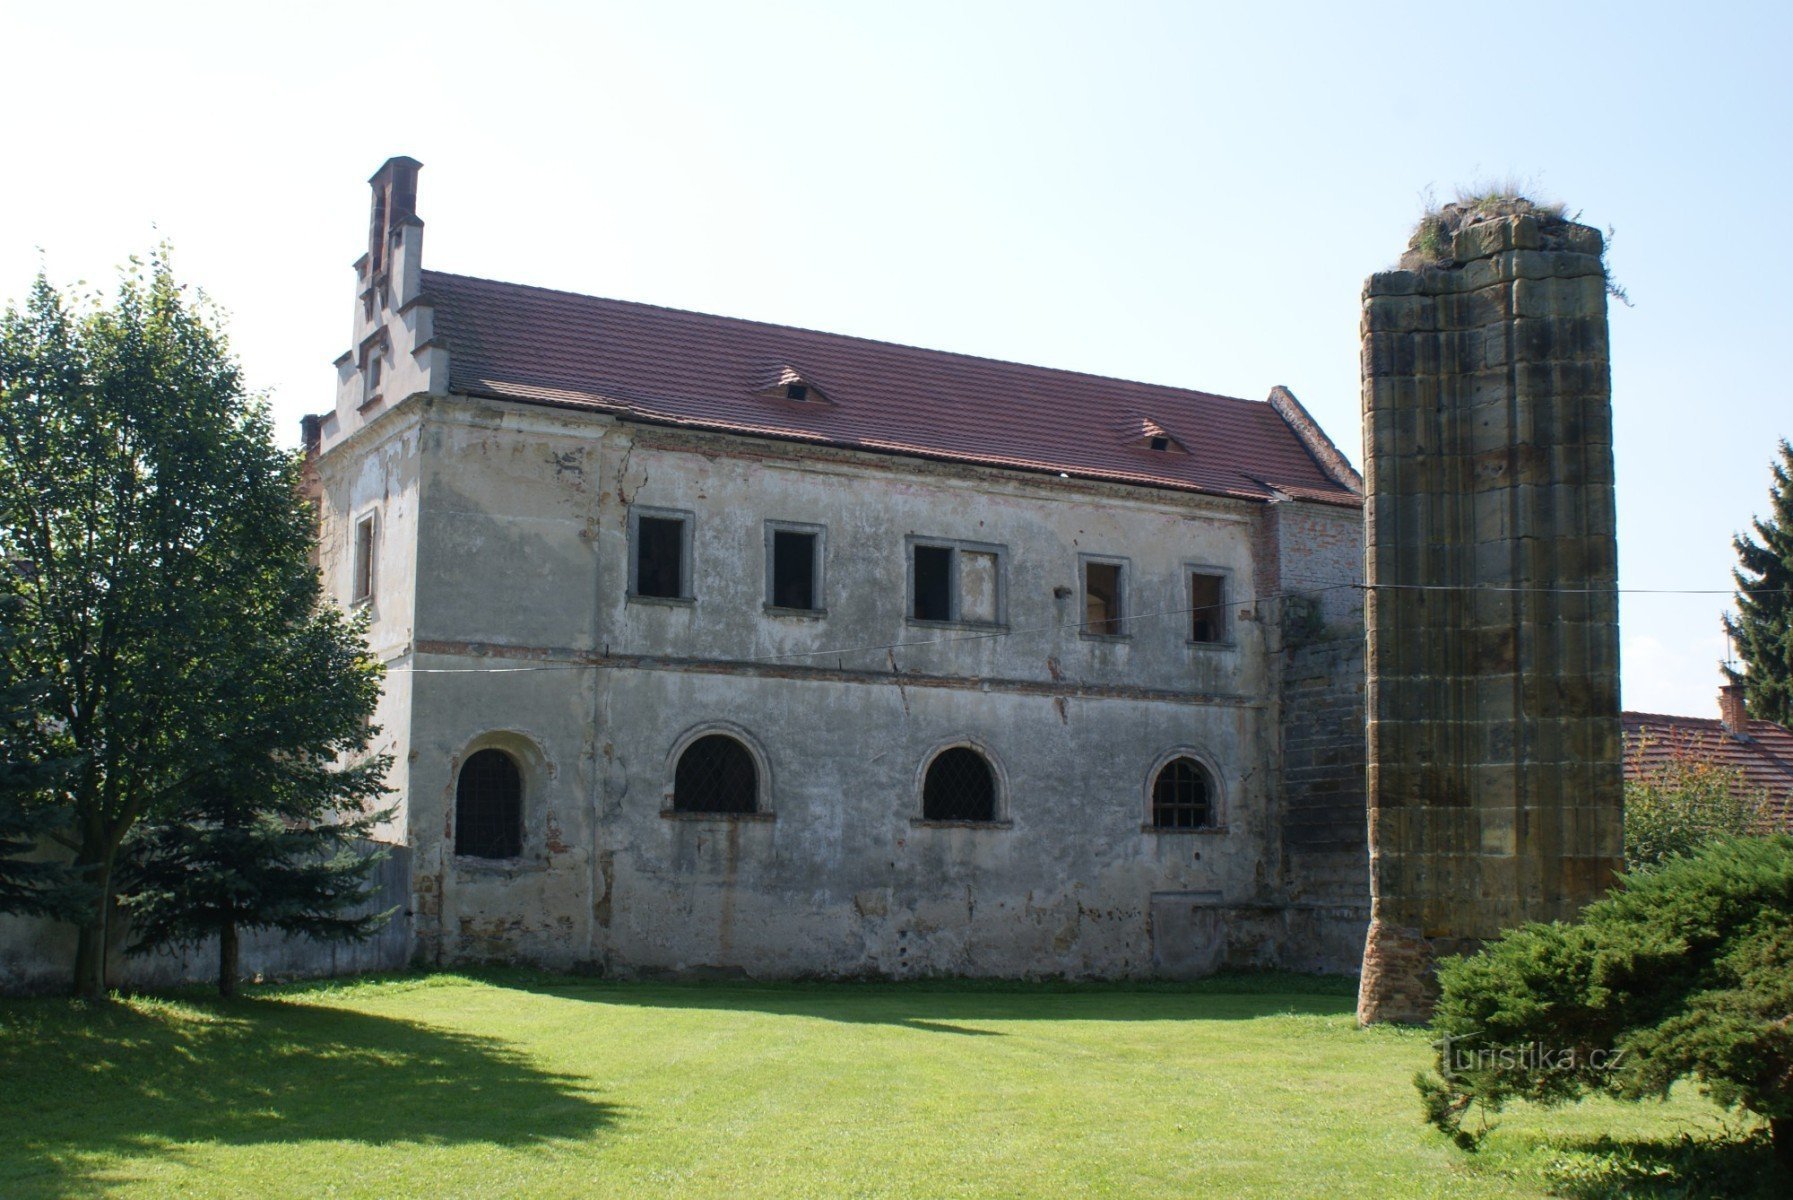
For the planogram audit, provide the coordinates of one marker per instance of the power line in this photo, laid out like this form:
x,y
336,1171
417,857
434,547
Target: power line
x,y
992,634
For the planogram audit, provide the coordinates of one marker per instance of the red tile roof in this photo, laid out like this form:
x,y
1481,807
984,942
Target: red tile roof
x,y
662,365
1763,756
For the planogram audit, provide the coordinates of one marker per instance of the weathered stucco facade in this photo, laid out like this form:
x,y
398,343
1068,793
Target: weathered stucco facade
x,y
491,535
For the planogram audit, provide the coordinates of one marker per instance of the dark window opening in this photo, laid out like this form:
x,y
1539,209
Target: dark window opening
x,y
660,557
715,775
488,807
933,583
793,569
1180,798
960,786
1161,443
364,560
1207,602
1102,599
796,391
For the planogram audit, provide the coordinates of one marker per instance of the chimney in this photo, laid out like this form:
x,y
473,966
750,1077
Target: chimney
x,y
1730,710
394,200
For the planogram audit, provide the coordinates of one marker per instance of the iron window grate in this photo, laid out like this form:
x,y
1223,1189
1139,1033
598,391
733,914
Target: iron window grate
x,y
715,774
959,787
488,807
1180,798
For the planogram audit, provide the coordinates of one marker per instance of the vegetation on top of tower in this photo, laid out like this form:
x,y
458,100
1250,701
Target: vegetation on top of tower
x,y
1430,244
1433,237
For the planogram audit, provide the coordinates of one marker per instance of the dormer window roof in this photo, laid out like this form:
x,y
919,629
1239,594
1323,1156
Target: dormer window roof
x,y
1149,435
785,382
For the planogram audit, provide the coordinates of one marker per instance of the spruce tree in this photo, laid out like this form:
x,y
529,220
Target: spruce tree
x,y
1762,629
274,835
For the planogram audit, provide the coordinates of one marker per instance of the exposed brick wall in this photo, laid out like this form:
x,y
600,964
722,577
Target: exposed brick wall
x,y
1324,837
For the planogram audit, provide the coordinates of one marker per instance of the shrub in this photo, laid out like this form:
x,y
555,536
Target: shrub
x,y
1682,802
1686,973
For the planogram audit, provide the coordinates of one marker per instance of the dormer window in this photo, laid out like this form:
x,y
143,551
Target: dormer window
x,y
786,382
1147,434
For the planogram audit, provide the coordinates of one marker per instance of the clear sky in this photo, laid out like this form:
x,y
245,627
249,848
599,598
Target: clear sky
x,y
1187,193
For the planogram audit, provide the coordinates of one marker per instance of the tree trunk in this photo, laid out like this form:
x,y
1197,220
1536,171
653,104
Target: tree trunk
x,y
228,958
90,942
1780,1134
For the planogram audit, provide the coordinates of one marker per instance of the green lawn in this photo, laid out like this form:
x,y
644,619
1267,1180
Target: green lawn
x,y
513,1084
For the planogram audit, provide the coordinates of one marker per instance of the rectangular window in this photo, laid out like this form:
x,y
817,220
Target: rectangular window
x,y
1207,605
1103,615
955,582
660,566
794,567
933,583
362,588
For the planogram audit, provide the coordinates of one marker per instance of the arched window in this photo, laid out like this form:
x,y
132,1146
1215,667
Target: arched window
x,y
960,786
1182,797
488,807
716,774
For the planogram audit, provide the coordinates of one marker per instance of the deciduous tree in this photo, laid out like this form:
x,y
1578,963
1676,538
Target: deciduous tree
x,y
157,538
1682,802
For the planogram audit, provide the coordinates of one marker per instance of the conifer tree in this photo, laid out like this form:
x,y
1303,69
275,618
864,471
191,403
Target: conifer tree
x,y
1762,628
273,836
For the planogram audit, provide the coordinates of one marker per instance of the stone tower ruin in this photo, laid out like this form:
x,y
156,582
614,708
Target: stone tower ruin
x,y
1493,665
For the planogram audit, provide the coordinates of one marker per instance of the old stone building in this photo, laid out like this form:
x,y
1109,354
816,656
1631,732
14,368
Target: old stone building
x,y
718,646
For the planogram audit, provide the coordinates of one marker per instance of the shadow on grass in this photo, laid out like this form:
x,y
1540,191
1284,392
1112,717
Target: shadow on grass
x,y
83,1084
1688,1168
946,1005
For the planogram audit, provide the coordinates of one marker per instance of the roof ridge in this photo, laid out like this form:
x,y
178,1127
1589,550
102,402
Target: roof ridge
x,y
852,337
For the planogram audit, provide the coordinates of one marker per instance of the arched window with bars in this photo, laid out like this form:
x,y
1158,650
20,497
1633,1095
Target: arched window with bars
x,y
1183,796
488,807
960,785
716,774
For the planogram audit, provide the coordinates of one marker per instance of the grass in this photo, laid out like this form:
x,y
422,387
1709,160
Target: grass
x,y
516,1084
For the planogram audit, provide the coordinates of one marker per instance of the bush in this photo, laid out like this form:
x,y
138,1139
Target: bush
x,y
1681,803
1687,973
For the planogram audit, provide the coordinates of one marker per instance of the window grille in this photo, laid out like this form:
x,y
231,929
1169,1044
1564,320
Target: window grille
x,y
1181,796
488,807
960,786
716,774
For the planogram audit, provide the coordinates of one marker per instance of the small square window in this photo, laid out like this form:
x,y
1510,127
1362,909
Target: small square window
x,y
955,582
794,567
1207,607
1103,615
660,562
796,391
362,587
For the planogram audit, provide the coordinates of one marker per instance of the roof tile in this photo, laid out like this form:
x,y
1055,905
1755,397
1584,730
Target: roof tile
x,y
663,365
